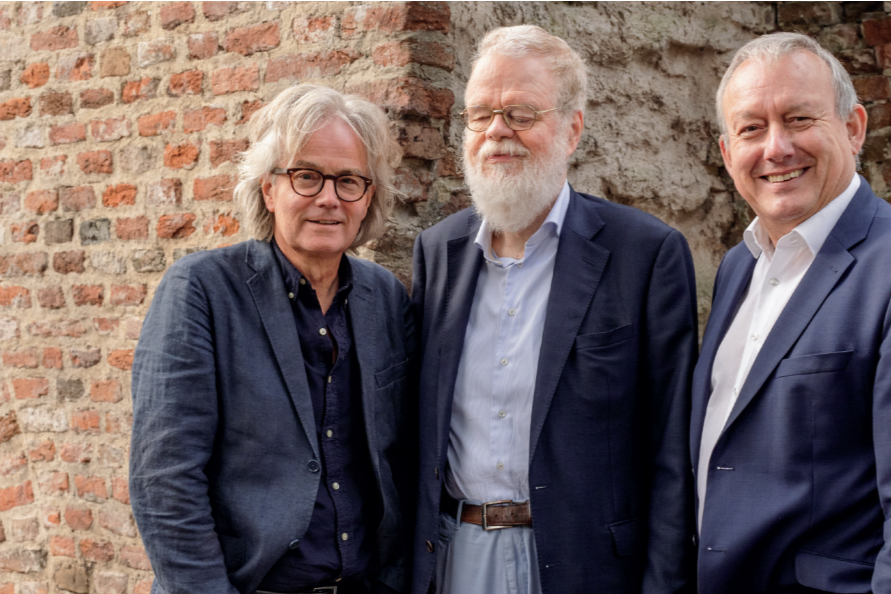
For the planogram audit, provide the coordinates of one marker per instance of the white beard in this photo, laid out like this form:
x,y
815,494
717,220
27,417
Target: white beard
x,y
511,196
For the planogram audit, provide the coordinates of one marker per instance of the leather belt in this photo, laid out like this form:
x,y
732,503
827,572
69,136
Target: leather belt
x,y
492,515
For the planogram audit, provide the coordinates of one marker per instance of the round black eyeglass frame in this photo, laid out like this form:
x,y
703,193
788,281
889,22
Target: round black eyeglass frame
x,y
290,173
502,111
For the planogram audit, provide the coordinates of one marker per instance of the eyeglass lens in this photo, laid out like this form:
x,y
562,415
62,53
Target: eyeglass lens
x,y
308,182
517,117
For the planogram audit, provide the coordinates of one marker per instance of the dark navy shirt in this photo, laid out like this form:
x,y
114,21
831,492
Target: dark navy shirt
x,y
339,542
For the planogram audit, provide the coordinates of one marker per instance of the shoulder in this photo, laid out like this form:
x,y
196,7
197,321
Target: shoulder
x,y
626,217
214,266
376,276
460,224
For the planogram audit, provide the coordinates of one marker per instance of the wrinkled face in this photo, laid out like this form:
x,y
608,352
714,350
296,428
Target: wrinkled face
x,y
787,151
311,230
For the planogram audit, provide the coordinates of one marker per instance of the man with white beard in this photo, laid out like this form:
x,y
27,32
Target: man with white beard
x,y
558,335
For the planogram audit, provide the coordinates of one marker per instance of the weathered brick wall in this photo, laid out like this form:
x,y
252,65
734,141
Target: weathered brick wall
x,y
119,123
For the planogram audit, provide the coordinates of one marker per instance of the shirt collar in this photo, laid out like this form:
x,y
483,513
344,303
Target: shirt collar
x,y
812,231
552,224
293,277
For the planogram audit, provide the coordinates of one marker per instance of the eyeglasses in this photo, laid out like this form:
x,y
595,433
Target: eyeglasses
x,y
309,182
517,117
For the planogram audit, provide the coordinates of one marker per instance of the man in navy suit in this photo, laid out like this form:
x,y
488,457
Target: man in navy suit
x,y
558,336
791,429
272,426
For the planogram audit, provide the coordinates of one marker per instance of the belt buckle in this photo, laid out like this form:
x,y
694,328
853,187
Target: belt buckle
x,y
485,507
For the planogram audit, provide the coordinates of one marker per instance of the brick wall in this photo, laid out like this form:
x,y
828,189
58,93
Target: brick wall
x,y
119,123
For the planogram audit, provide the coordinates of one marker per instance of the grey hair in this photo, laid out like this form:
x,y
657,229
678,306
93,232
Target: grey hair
x,y
565,64
280,130
769,49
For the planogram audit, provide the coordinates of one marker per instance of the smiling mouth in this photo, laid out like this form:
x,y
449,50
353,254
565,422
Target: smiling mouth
x,y
775,179
326,222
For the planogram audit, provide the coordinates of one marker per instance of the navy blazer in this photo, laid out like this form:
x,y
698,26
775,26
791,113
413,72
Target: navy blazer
x,y
799,484
224,458
609,469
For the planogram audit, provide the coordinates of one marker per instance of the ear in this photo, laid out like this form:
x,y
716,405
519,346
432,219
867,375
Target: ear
x,y
725,154
266,188
576,127
856,126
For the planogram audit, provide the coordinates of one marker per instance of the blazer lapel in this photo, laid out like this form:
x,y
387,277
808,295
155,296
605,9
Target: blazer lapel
x,y
270,296
578,267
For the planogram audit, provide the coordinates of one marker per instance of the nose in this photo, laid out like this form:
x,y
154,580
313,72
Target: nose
x,y
779,144
498,128
327,196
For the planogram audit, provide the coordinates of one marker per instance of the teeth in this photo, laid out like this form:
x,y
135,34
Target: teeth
x,y
326,222
786,177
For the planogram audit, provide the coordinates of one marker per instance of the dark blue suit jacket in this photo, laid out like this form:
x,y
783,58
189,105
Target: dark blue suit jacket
x,y
224,458
609,471
806,452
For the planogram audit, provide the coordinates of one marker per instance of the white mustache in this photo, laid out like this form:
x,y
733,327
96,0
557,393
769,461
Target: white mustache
x,y
505,147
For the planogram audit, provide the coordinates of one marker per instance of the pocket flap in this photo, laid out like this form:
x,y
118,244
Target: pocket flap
x,y
628,537
832,575
599,339
808,364
391,374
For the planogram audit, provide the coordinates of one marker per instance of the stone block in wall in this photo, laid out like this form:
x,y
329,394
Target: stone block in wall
x,y
809,13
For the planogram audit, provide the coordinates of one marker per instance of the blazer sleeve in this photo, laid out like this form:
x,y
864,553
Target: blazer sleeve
x,y
670,337
881,418
175,418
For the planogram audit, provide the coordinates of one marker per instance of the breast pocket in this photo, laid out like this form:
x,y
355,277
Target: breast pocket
x,y
602,339
391,374
811,364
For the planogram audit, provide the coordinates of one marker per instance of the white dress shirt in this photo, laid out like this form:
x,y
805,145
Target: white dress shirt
x,y
488,454
774,280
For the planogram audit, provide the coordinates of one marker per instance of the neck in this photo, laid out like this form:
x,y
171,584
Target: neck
x,y
513,244
321,272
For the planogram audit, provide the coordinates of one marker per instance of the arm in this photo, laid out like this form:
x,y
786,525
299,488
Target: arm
x,y
174,421
881,419
670,339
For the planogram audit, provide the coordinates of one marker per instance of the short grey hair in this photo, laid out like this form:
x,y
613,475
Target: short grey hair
x,y
565,64
281,129
769,49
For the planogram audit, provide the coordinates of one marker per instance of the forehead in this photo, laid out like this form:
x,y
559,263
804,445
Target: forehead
x,y
335,146
498,80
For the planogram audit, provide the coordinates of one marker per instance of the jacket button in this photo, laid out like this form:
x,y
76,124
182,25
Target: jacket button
x,y
436,472
429,546
313,466
294,544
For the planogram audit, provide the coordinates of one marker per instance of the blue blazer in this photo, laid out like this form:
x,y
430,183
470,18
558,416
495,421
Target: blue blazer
x,y
799,484
223,462
609,469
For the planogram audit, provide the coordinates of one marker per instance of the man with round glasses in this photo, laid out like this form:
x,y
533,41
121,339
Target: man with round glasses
x,y
558,335
271,420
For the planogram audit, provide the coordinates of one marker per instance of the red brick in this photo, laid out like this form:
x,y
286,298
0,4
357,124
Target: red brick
x,y
119,195
105,326
121,359
222,151
13,172
176,226
203,45
54,104
92,550
313,29
24,264
217,188
139,89
77,198
65,262
106,4
143,586
52,358
128,294
13,464
87,295
877,31
195,120
30,388
110,129
95,98
135,228
165,191
51,297
118,523
15,108
872,88
407,96
154,51
86,421
106,391
135,23
120,488
315,65
185,83
156,123
51,517
403,53
181,156
75,68
232,80
135,558
19,297
25,232
85,357
118,423
22,359
54,39
174,15
44,452
95,162
78,519
54,166
253,39
215,11
15,496
91,488
114,61
9,427
68,133
54,483
35,75
71,328
61,546
397,16
223,223
249,108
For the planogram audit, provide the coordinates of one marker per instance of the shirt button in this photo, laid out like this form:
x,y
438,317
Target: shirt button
x,y
500,466
774,281
520,265
754,336
322,331
344,536
511,312
504,361
502,414
294,544
302,281
735,391
313,465
290,295
345,301
430,547
335,486
329,433
329,379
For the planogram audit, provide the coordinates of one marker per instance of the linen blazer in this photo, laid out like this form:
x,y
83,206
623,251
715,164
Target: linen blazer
x,y
224,463
799,483
609,474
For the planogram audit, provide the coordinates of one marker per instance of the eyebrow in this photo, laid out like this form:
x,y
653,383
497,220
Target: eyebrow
x,y
746,115
312,165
